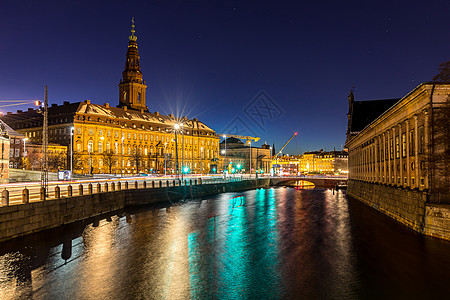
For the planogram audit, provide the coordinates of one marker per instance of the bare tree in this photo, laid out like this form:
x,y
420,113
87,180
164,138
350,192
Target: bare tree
x,y
109,159
57,160
444,74
136,158
439,157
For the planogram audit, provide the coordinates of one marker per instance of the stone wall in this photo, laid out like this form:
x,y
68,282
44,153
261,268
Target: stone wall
x,y
404,205
407,206
437,220
17,220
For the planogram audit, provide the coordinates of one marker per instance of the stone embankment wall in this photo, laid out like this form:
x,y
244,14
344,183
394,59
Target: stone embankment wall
x,y
408,207
17,220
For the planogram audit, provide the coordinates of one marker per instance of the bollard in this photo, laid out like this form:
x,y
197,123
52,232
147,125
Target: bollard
x,y
57,192
69,191
5,197
173,182
136,184
199,181
113,186
153,184
185,182
126,185
190,181
80,190
145,184
99,188
42,193
25,196
195,181
160,183
179,182
106,187
90,188
119,186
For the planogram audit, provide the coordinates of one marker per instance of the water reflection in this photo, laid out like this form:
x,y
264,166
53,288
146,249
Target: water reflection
x,y
267,243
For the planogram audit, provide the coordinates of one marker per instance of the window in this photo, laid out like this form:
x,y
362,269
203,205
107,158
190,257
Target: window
x,y
145,137
108,147
100,147
145,151
397,147
139,98
129,135
17,152
151,137
79,147
91,131
140,136
134,136
403,144
116,134
100,132
421,140
129,150
109,132
411,143
90,146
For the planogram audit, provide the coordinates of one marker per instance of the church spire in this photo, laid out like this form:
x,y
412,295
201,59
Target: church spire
x,y
132,86
132,37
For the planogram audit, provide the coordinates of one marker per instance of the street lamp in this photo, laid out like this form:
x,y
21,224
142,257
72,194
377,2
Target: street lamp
x,y
225,151
250,164
24,152
121,154
71,149
176,126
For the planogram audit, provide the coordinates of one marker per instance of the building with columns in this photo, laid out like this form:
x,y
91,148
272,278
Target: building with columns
x,y
126,139
398,152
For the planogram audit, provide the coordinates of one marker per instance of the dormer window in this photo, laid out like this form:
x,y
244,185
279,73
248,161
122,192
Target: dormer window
x,y
139,98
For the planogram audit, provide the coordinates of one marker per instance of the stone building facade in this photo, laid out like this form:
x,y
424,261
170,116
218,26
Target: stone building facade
x,y
392,156
126,139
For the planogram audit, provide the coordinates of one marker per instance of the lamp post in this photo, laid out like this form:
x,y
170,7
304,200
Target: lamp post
x,y
121,154
182,151
250,163
225,165
165,157
71,149
24,152
89,152
201,160
176,126
270,162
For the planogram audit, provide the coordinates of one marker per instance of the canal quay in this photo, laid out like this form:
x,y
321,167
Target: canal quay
x,y
267,243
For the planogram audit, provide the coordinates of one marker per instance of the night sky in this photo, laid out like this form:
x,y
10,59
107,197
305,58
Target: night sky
x,y
221,60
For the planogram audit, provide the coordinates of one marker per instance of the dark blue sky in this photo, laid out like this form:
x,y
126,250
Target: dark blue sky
x,y
215,57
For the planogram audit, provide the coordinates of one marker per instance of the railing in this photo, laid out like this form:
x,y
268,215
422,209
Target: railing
x,y
35,193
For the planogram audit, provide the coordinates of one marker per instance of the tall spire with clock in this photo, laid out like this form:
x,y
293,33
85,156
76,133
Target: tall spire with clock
x,y
132,85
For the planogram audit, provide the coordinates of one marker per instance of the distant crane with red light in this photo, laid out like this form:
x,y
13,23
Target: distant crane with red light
x,y
294,135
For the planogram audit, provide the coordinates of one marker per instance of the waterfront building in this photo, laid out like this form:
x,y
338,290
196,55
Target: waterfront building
x,y
127,138
244,158
4,154
398,152
319,162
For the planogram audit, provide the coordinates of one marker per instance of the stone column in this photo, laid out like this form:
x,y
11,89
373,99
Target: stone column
x,y
426,148
416,152
394,158
408,166
384,158
400,148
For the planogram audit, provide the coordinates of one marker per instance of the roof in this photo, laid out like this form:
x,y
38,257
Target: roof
x,y
233,140
365,112
136,115
11,132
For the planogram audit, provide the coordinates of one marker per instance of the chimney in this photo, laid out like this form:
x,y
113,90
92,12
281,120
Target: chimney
x,y
66,103
19,111
87,101
171,115
54,105
107,105
125,108
30,109
157,113
195,119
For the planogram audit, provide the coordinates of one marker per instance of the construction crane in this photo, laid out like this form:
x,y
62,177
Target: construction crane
x,y
295,134
247,139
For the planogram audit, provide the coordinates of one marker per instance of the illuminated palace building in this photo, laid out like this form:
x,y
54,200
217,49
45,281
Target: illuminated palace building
x,y
127,138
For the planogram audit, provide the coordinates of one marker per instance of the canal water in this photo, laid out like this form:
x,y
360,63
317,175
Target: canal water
x,y
275,243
